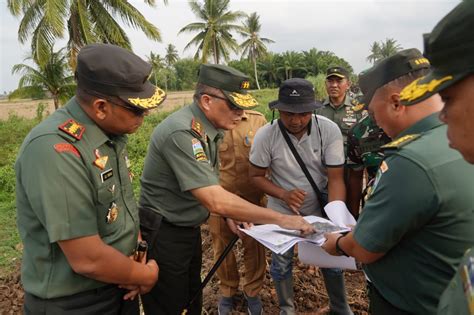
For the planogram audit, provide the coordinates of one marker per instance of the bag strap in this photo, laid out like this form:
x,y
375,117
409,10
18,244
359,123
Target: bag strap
x,y
303,166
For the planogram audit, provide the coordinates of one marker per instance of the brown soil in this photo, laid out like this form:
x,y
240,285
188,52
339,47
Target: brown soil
x,y
28,108
310,294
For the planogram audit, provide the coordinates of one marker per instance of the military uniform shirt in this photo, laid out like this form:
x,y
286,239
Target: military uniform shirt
x,y
363,146
344,116
420,214
270,150
458,298
234,167
62,195
180,158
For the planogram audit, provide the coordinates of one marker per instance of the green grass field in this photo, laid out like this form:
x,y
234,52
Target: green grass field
x,y
12,133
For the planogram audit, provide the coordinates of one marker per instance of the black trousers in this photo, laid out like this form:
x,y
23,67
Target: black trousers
x,y
107,300
177,250
379,305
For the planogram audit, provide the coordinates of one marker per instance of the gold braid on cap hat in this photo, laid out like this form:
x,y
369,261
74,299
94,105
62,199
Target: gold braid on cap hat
x,y
414,90
244,100
150,102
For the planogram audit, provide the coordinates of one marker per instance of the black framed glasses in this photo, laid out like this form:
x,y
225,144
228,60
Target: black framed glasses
x,y
229,103
135,110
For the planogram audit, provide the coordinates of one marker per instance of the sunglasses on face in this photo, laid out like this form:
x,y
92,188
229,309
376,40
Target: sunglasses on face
x,y
135,110
229,104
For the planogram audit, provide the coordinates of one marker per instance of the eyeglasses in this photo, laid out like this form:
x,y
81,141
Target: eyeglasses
x,y
229,103
135,110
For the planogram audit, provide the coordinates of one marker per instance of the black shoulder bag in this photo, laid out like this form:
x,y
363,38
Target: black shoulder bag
x,y
321,199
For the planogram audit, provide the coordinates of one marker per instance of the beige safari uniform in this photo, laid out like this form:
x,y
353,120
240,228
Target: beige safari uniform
x,y
234,167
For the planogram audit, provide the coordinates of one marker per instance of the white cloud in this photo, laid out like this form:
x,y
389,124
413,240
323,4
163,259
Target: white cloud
x,y
347,28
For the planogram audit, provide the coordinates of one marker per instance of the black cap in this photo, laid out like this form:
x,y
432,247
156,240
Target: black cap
x,y
233,83
114,71
295,96
450,48
338,72
389,69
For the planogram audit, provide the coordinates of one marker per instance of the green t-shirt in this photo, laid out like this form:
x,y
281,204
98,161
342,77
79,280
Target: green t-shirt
x,y
63,194
182,155
420,214
458,298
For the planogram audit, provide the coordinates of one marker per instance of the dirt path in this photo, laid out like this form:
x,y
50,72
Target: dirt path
x,y
310,294
28,108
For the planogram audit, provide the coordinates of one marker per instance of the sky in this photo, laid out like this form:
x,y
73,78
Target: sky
x,y
347,28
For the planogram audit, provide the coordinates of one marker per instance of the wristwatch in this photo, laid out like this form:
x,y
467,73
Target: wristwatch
x,y
339,250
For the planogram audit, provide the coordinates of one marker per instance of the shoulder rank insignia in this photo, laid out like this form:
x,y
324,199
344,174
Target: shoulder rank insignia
x,y
66,147
196,126
73,128
398,143
100,161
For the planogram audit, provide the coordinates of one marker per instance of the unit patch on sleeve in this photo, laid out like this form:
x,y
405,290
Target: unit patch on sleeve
x,y
198,151
73,128
66,147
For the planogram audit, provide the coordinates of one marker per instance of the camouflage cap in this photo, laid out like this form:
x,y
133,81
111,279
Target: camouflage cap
x,y
450,48
114,71
389,69
338,72
233,83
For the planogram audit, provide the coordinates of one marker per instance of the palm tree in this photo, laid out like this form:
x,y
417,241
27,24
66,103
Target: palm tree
x,y
374,53
291,61
254,46
383,50
158,65
86,21
171,55
269,66
312,60
389,48
54,76
214,29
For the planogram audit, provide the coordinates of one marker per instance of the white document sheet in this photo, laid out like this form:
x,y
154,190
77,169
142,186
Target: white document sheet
x,y
313,254
279,240
339,214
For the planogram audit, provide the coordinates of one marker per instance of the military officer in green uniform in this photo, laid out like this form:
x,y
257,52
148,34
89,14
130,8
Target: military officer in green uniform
x,y
338,107
180,186
450,47
364,142
417,221
76,213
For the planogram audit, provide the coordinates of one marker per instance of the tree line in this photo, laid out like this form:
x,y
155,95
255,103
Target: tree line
x,y
85,22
